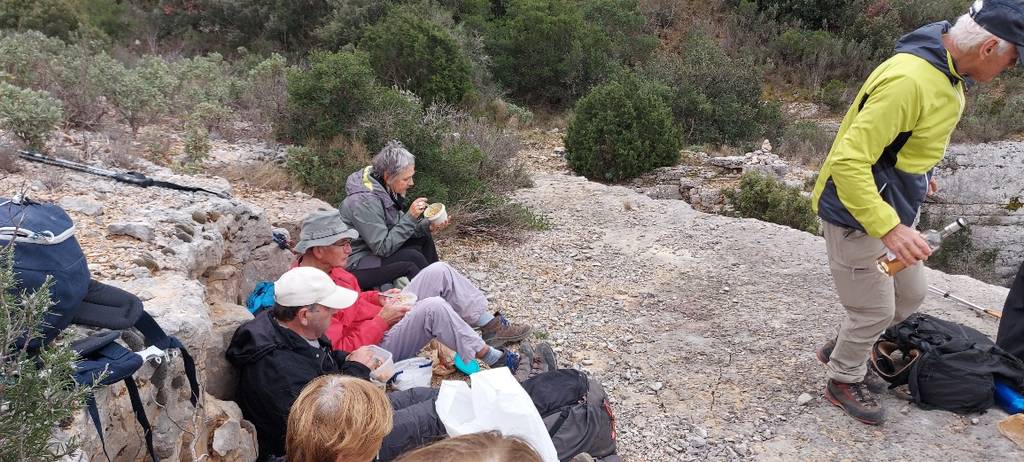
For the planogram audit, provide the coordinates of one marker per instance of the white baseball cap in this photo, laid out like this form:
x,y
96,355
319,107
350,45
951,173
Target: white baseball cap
x,y
305,285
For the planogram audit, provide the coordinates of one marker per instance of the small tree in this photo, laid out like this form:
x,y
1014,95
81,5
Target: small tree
x,y
411,51
326,99
622,129
31,115
141,95
37,389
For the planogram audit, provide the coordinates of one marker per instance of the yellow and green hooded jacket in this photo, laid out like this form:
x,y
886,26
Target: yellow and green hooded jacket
x,y
876,174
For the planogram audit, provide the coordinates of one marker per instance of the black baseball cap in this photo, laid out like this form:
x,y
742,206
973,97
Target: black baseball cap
x,y
1004,19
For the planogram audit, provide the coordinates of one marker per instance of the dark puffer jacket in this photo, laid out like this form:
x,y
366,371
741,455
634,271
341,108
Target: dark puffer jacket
x,y
274,365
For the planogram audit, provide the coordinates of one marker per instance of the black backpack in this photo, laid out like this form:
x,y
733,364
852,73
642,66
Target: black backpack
x,y
45,247
946,365
576,412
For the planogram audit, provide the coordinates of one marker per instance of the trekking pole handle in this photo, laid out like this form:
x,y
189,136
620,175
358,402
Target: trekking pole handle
x,y
135,178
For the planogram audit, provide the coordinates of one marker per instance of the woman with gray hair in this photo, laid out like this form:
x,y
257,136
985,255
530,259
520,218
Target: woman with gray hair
x,y
394,238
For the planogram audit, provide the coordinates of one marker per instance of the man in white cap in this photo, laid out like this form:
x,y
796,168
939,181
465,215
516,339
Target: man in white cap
x,y
284,348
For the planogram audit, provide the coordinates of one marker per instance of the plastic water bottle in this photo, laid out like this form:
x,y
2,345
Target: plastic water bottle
x,y
1008,398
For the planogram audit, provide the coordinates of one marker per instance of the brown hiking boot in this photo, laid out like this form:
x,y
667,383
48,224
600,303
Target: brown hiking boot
x,y
499,331
875,383
856,400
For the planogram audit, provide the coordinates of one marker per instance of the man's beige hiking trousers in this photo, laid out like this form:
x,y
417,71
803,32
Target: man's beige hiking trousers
x,y
872,299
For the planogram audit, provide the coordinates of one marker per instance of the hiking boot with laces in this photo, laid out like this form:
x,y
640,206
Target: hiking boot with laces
x,y
856,400
875,383
499,332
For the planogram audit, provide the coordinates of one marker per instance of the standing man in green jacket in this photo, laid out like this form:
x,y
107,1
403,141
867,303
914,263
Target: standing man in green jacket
x,y
876,175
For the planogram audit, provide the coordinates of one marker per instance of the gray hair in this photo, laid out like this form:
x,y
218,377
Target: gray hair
x,y
968,35
393,158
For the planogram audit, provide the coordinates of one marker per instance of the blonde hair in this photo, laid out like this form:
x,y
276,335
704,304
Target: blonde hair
x,y
337,418
475,447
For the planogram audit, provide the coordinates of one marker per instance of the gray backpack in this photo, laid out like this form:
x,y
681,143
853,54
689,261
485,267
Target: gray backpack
x,y
576,412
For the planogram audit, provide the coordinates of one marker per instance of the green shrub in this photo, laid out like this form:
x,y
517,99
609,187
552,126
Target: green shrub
x,y
531,45
993,112
83,80
56,18
39,391
805,142
835,95
30,115
327,99
716,99
622,129
767,199
408,50
197,147
348,20
323,172
142,94
556,50
260,24
205,79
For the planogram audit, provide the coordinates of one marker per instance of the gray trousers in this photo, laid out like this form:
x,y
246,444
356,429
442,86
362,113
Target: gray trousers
x,y
415,422
872,299
448,307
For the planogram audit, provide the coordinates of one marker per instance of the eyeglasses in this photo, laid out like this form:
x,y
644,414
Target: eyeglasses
x,y
343,243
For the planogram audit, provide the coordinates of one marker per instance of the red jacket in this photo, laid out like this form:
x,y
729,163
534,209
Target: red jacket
x,y
360,324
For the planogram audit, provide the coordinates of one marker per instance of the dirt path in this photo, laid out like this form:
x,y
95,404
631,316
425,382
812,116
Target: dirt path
x,y
702,327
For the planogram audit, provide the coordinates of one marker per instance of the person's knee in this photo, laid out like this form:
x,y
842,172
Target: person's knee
x,y
435,306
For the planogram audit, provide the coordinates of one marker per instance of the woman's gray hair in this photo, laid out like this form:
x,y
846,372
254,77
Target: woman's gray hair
x,y
393,158
967,34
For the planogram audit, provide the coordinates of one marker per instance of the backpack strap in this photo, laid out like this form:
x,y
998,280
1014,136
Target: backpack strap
x,y
155,335
140,415
94,415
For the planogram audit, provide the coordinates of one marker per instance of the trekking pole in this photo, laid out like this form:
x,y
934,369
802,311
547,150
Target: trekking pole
x,y
945,294
134,178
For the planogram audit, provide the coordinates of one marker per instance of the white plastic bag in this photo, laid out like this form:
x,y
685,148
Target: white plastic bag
x,y
495,402
413,372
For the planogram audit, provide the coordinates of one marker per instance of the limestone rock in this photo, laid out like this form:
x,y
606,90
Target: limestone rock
x,y
141,231
83,205
225,318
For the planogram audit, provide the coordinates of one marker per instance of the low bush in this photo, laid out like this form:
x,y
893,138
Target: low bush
x,y
410,51
993,112
715,98
805,142
327,99
767,199
56,18
323,171
30,115
142,94
622,129
197,147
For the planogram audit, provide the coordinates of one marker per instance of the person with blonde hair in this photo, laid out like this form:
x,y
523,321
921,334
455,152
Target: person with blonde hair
x,y
338,419
475,447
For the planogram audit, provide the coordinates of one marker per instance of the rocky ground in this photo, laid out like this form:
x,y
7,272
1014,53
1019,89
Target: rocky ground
x,y
702,327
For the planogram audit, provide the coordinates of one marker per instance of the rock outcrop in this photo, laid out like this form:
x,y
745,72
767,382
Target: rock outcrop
x,y
982,182
192,258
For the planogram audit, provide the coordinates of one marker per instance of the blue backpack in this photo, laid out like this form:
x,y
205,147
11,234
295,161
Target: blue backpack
x,y
44,244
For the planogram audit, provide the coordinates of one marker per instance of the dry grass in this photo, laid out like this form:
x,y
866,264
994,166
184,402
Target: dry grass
x,y
268,176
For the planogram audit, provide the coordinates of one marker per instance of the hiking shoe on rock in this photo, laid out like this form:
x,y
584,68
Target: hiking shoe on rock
x,y
548,354
500,332
874,383
856,400
528,359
